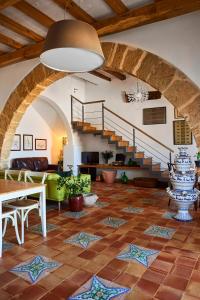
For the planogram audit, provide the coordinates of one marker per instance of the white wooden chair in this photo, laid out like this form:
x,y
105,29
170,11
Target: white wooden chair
x,y
9,212
24,206
12,174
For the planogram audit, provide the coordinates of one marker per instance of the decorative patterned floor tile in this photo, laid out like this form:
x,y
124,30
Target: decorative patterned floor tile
x,y
7,246
35,269
38,228
159,231
138,254
83,239
76,214
168,215
101,204
113,222
100,289
133,210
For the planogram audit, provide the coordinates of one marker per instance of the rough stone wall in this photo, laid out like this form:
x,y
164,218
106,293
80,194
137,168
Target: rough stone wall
x,y
171,82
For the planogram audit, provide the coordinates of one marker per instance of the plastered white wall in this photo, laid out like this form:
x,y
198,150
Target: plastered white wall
x,y
113,93
49,126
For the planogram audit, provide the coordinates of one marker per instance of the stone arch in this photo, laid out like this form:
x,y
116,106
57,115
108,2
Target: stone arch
x,y
160,74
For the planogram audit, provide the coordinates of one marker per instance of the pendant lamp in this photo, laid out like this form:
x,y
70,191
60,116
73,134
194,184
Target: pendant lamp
x,y
72,46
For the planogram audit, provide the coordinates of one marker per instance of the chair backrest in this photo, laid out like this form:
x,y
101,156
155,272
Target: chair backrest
x,y
35,177
13,175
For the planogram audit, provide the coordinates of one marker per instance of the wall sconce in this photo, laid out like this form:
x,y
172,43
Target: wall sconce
x,y
64,140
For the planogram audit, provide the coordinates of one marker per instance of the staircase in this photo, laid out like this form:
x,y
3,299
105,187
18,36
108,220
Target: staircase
x,y
141,147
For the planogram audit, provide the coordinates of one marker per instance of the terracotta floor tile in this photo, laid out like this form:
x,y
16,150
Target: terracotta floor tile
x,y
188,297
193,288
161,266
80,277
135,269
4,295
176,282
154,276
65,289
167,293
50,296
108,273
16,286
88,254
137,294
126,279
6,278
148,287
186,261
182,271
64,271
33,292
117,264
50,281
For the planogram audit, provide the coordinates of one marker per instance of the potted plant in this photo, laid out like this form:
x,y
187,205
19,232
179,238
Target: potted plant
x,y
75,186
107,155
197,162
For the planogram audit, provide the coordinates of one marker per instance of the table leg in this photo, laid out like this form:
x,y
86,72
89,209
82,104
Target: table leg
x,y
1,231
43,211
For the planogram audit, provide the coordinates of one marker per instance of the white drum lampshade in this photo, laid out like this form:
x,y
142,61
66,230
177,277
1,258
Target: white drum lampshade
x,y
72,46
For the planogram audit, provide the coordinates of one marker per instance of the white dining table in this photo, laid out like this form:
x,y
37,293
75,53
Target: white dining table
x,y
10,189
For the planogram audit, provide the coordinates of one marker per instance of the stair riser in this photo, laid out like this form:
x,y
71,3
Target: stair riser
x,y
139,155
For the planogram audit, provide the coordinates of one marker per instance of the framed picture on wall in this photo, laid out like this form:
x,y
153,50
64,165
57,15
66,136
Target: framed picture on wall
x,y
16,146
177,115
182,133
40,144
27,142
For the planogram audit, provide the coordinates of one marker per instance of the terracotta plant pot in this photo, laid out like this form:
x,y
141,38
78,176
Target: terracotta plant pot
x,y
109,176
76,203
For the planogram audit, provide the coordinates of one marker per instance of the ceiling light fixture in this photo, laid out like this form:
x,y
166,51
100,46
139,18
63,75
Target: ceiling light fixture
x,y
138,95
72,46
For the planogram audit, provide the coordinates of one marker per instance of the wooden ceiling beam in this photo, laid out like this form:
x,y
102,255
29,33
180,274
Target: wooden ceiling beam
x,y
24,53
9,42
118,75
20,29
147,14
158,11
100,75
34,13
6,3
75,10
117,6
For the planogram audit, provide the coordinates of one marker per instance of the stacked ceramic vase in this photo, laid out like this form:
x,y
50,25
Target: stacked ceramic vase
x,y
182,178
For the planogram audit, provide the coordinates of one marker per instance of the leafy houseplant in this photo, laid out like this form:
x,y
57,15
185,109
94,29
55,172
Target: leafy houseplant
x,y
107,155
75,186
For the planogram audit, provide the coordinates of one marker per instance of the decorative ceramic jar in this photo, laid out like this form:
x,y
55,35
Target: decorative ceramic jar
x,y
182,161
183,180
183,200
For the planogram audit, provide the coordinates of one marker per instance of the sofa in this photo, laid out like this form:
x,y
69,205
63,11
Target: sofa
x,y
39,164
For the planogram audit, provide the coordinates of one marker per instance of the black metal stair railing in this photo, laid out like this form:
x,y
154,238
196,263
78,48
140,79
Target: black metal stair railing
x,y
103,118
